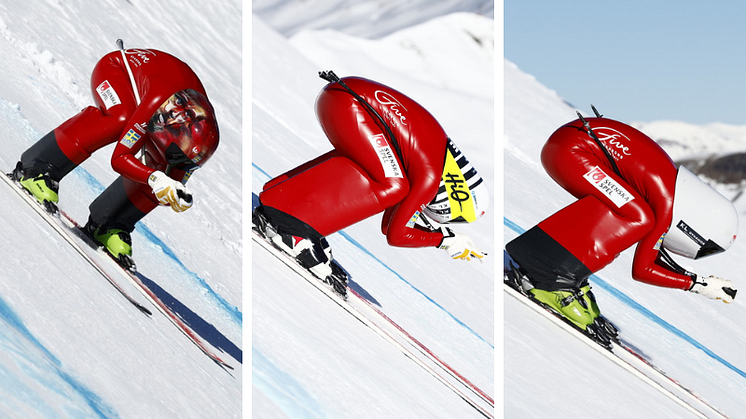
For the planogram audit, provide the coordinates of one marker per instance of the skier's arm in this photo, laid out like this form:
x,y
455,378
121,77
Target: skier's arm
x,y
399,234
131,141
712,287
647,268
396,220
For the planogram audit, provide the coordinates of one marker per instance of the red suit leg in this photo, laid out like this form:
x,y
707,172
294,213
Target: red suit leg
x,y
329,196
68,145
595,229
96,127
565,249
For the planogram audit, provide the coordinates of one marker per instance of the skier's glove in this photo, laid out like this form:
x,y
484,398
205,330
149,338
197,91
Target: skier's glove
x,y
459,246
714,287
170,192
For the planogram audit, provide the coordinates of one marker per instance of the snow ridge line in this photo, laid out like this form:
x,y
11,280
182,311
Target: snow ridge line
x,y
388,268
646,312
617,359
349,308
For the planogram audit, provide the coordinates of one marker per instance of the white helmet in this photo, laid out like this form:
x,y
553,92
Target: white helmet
x,y
704,222
462,195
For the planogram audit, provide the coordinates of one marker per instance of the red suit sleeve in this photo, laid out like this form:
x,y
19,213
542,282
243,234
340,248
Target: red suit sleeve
x,y
395,219
647,266
132,140
424,173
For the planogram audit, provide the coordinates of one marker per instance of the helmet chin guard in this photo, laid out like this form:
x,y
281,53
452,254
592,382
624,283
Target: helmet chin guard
x,y
704,222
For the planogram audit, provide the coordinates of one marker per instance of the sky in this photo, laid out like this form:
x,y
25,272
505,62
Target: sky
x,y
636,61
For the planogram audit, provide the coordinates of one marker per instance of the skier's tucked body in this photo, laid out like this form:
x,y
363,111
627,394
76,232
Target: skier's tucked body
x,y
148,102
639,198
390,155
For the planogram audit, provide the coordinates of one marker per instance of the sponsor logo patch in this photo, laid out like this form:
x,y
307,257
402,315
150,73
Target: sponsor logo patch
x,y
392,105
386,156
108,95
615,142
130,138
608,186
691,233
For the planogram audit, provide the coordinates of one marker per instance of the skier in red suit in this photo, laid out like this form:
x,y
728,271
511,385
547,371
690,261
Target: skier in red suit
x,y
390,155
629,191
147,102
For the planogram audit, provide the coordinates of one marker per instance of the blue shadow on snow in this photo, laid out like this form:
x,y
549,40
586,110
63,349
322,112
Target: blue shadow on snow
x,y
204,329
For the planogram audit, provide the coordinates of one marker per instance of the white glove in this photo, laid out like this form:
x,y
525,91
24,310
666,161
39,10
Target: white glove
x,y
459,246
715,288
170,192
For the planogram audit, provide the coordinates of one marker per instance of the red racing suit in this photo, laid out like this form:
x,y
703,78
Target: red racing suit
x,y
117,116
363,175
613,211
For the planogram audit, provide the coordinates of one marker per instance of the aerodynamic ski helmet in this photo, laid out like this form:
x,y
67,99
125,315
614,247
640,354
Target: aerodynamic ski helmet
x,y
184,130
704,222
462,195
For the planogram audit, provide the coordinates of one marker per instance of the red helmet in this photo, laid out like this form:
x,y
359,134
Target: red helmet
x,y
184,129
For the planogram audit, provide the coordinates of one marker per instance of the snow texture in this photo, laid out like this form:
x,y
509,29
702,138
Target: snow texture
x,y
70,345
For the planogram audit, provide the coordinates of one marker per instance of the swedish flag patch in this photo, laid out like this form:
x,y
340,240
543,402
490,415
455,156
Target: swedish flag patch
x,y
130,138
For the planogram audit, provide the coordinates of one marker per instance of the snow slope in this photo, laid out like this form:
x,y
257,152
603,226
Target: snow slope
x,y
70,345
309,357
697,341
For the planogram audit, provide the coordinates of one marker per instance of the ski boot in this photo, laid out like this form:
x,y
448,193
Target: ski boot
x,y
41,186
579,308
314,255
116,242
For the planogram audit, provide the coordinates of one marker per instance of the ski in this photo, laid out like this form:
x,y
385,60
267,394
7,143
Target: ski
x,y
71,232
353,309
623,354
137,279
63,231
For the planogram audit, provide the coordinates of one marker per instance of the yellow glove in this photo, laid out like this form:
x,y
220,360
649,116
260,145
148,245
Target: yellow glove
x,y
459,246
170,192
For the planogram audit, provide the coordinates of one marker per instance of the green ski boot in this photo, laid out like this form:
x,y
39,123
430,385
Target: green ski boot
x,y
577,306
118,243
44,189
